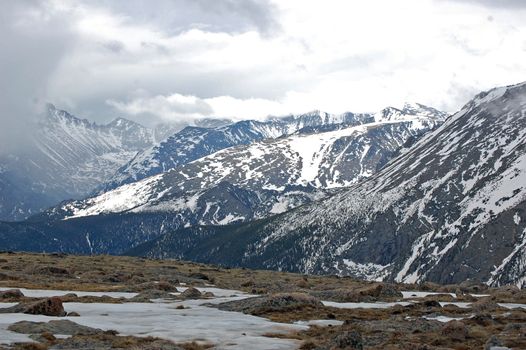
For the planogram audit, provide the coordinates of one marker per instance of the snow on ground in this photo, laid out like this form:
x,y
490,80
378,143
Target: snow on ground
x,y
463,305
415,294
383,305
226,330
321,323
443,319
196,322
46,293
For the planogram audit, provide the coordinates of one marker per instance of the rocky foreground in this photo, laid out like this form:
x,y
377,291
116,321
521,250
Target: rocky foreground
x,y
106,302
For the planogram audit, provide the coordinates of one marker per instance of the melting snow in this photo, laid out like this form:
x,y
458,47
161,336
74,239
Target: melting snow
x,y
226,330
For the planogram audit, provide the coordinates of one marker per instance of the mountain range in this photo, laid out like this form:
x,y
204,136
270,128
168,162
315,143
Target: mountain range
x,y
407,195
270,171
451,208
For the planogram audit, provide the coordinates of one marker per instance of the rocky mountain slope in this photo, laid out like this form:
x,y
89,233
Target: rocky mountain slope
x,y
240,183
66,158
453,207
267,177
194,142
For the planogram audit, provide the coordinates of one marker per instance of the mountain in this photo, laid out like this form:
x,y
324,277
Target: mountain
x,y
241,183
271,176
67,158
194,142
451,208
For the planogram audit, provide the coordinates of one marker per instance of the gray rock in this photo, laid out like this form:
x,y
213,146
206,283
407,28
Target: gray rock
x,y
271,303
54,327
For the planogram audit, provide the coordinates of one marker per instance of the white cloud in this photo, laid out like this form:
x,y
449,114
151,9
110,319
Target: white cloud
x,y
297,56
174,107
177,108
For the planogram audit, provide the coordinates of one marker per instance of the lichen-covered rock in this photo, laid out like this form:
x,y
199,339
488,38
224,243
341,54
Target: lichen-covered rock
x,y
48,307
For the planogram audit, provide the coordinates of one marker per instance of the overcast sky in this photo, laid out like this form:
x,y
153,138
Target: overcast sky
x,y
176,60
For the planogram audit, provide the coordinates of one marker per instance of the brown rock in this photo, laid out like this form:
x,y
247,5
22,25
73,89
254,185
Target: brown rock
x,y
11,294
54,327
455,330
381,291
191,293
484,305
48,307
272,303
162,285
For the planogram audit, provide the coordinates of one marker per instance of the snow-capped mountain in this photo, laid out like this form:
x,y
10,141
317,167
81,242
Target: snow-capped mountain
x,y
275,174
452,207
240,183
68,158
195,142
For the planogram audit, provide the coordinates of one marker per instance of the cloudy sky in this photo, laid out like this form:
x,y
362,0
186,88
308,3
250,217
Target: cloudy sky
x,y
177,60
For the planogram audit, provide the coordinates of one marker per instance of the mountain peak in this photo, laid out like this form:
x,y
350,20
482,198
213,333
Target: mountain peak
x,y
122,123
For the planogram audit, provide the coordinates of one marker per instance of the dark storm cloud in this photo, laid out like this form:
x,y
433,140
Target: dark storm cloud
x,y
174,16
32,40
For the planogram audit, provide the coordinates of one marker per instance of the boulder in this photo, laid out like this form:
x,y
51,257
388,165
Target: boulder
x,y
484,305
272,303
455,330
494,343
472,287
11,294
48,307
191,293
146,296
381,291
65,327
